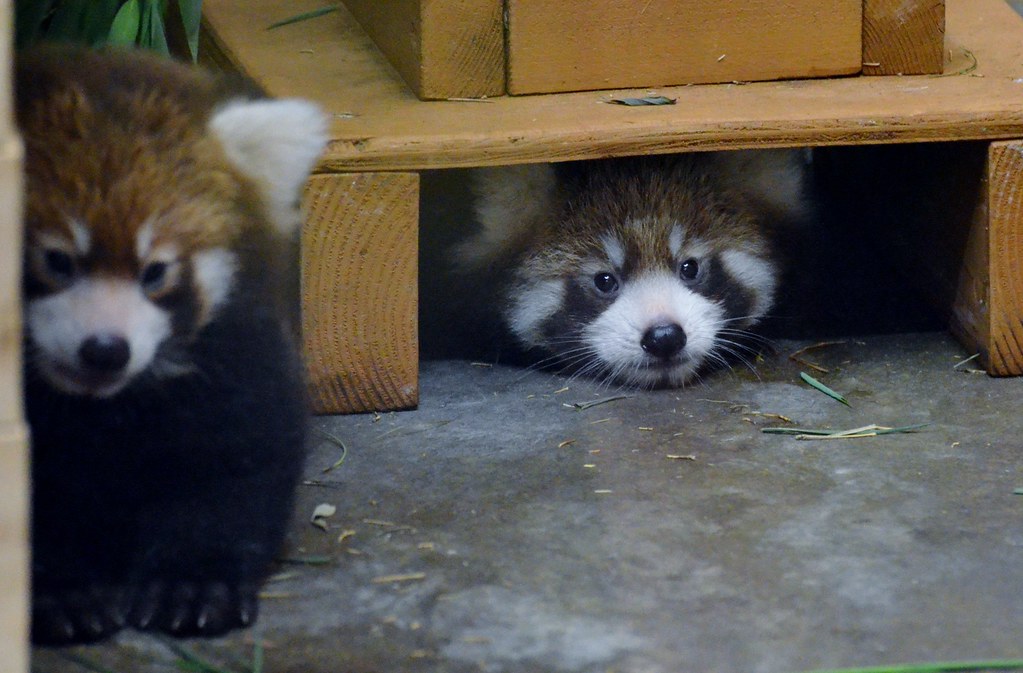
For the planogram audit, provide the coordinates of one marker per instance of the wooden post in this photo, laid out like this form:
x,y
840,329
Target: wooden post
x,y
13,435
360,292
987,312
903,37
442,50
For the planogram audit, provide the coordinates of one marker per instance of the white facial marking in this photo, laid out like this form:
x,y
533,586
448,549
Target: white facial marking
x,y
214,275
676,237
532,307
654,299
82,237
58,325
614,250
754,273
694,248
144,240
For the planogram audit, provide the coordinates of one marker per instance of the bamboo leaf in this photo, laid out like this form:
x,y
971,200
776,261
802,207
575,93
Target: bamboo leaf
x,y
937,667
823,388
66,22
125,28
154,33
29,16
96,21
305,16
648,100
191,18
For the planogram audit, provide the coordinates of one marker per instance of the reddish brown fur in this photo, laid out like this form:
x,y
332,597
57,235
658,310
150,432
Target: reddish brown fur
x,y
720,217
104,139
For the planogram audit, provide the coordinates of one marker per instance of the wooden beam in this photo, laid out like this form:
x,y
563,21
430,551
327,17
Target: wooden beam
x,y
442,50
359,291
574,45
379,125
14,551
903,37
988,308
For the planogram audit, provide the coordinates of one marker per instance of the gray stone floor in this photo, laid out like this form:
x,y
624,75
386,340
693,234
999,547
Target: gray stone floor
x,y
500,529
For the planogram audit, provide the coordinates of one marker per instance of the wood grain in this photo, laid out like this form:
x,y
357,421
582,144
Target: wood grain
x,y
574,45
13,434
444,49
359,291
1005,258
381,125
903,37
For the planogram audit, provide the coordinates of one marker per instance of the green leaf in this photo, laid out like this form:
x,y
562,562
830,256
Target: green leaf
x,y
66,23
257,657
823,388
29,16
191,18
303,17
127,24
939,667
154,34
96,21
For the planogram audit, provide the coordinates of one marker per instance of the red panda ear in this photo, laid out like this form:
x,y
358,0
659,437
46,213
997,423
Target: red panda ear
x,y
511,203
276,143
775,178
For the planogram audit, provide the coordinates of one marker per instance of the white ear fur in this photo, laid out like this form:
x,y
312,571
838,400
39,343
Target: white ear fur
x,y
276,143
510,200
774,177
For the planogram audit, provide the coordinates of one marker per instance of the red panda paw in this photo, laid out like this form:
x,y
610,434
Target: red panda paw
x,y
193,608
85,615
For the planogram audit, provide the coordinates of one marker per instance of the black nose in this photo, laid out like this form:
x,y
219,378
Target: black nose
x,y
664,341
107,353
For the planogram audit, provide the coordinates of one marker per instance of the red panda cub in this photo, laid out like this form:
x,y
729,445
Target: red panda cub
x,y
642,271
162,386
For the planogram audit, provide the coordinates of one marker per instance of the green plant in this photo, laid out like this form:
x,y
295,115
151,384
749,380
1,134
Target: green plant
x,y
165,26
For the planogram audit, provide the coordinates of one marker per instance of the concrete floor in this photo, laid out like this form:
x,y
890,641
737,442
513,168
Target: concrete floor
x,y
497,529
664,532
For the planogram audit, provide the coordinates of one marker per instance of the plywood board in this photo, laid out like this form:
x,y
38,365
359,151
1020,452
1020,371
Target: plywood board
x,y
903,37
444,49
14,509
573,45
380,125
359,291
1005,258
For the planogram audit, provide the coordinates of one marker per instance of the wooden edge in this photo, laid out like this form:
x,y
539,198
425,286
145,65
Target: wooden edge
x,y
396,28
1004,252
13,434
442,50
903,37
465,57
14,479
360,291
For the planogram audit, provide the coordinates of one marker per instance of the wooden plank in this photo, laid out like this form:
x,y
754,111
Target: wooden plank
x,y
573,45
381,125
359,291
1004,259
903,37
444,49
14,543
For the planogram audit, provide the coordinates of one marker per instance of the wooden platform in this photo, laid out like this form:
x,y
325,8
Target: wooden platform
x,y
379,126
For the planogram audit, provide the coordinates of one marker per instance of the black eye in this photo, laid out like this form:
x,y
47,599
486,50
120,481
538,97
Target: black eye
x,y
605,282
59,264
689,269
154,275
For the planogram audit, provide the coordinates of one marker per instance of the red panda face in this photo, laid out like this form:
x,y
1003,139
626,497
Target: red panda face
x,y
640,271
146,197
93,329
